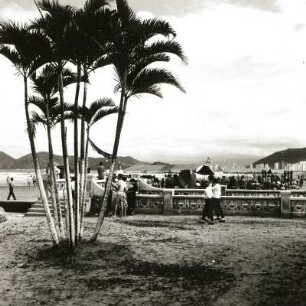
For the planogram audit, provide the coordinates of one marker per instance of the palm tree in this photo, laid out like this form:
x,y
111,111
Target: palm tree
x,y
91,115
73,36
20,45
54,25
132,49
46,86
87,54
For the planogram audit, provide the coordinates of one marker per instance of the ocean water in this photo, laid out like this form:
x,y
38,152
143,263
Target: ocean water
x,y
21,193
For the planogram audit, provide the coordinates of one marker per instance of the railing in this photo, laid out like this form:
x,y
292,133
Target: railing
x,y
298,206
250,205
281,205
240,202
252,193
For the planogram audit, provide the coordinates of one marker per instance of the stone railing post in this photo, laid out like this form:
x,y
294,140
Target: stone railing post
x,y
285,203
223,190
168,203
89,186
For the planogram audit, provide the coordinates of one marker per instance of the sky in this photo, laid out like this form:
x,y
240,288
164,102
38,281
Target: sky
x,y
245,84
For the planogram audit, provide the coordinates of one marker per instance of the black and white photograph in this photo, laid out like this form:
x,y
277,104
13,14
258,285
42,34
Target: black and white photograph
x,y
153,152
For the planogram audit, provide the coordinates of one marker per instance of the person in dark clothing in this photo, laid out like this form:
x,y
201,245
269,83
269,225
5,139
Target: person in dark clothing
x,y
11,189
101,171
131,197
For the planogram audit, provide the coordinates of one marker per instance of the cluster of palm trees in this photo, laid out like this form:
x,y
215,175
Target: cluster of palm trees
x,y
84,39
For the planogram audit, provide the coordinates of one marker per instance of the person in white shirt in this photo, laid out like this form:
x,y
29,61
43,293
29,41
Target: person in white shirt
x,y
216,196
207,209
121,196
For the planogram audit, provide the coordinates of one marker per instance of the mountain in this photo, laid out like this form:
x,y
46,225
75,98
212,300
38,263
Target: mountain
x,y
26,162
6,161
288,156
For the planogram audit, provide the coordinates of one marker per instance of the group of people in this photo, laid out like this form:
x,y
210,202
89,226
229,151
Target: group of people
x,y
212,202
122,198
261,182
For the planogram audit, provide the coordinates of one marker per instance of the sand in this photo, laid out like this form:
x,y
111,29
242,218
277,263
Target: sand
x,y
157,260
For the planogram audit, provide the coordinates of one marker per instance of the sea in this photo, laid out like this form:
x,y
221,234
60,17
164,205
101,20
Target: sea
x,y
23,182
23,193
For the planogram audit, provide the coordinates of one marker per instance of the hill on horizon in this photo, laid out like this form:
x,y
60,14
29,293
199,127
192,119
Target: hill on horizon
x,y
289,156
6,160
26,162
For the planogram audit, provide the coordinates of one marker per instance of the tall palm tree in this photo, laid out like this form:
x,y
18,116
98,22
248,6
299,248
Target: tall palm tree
x,y
73,34
91,115
54,22
87,53
20,45
45,85
133,47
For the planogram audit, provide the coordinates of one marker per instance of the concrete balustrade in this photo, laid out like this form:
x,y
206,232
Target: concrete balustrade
x,y
276,203
260,203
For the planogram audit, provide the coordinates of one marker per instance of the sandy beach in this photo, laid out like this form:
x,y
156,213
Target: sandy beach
x,y
157,260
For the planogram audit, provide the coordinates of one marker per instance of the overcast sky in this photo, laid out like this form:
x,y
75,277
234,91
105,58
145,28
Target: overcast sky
x,y
245,83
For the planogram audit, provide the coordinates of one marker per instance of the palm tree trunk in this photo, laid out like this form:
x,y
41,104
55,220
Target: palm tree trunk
x,y
51,167
83,157
54,190
71,232
76,157
43,195
121,114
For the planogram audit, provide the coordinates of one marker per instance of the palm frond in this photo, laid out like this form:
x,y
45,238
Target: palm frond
x,y
103,113
102,61
151,90
141,64
38,102
153,77
159,47
36,119
154,26
53,7
94,5
98,150
125,12
13,57
32,46
118,87
100,103
46,83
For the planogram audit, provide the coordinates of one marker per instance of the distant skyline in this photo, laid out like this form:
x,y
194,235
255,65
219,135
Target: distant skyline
x,y
245,83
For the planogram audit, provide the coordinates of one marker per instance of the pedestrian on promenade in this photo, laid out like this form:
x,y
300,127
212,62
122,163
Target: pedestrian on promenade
x,y
207,214
101,171
29,180
11,189
131,196
121,196
216,198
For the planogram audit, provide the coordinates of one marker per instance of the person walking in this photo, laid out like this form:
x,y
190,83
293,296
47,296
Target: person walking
x,y
216,198
11,189
207,214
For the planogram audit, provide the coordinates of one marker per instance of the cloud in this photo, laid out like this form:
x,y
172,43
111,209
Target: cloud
x,y
245,85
